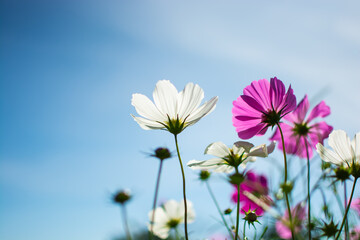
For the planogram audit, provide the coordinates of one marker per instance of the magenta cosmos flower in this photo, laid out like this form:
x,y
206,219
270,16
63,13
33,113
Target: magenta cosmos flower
x,y
256,185
282,226
297,128
262,105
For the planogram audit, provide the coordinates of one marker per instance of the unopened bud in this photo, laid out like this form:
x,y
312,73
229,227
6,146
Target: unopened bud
x,y
122,196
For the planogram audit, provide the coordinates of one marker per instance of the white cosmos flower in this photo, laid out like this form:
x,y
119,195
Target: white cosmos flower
x,y
169,216
228,158
345,152
172,110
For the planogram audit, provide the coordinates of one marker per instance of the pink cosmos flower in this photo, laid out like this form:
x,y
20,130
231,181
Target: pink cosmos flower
x,y
355,233
355,204
298,214
258,186
262,104
297,128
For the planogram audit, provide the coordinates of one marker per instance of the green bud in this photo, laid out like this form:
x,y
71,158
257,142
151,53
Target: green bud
x,y
287,187
325,165
228,211
122,196
204,175
162,153
329,230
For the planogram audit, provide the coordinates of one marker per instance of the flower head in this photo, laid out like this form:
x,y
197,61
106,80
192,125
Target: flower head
x,y
122,196
345,153
229,158
283,225
355,233
173,110
256,185
262,105
297,129
169,216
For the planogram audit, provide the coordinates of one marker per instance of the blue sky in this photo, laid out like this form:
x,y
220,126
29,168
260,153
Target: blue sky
x,y
68,70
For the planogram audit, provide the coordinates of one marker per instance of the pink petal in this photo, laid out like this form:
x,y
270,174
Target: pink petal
x,y
300,112
282,230
277,92
289,103
259,90
259,129
320,110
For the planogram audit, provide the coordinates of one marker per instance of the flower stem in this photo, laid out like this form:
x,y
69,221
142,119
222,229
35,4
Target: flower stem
x,y
217,206
184,193
347,209
155,199
308,187
125,222
237,209
346,221
244,231
285,181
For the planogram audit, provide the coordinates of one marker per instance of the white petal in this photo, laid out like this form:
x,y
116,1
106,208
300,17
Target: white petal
x,y
160,230
171,208
259,151
160,216
246,145
223,169
147,124
328,155
356,146
190,211
165,97
189,99
340,142
217,149
202,111
247,160
207,164
146,108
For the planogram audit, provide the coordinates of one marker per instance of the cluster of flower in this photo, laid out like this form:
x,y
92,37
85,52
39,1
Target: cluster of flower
x,y
262,105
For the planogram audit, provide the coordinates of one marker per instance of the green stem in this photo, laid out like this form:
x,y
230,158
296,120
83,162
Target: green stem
x,y
347,209
244,231
184,193
155,199
125,222
285,181
237,209
308,187
217,207
346,221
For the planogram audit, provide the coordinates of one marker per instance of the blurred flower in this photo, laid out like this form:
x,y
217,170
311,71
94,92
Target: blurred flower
x,y
262,104
173,110
161,153
329,229
256,185
169,216
355,204
122,196
344,153
355,233
229,158
297,129
282,226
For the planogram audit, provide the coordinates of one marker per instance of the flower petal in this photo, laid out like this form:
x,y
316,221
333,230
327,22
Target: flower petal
x,y
277,92
246,145
320,110
356,146
189,99
217,149
202,111
328,155
146,108
171,209
340,142
259,129
259,90
190,211
298,115
165,97
262,150
207,164
147,124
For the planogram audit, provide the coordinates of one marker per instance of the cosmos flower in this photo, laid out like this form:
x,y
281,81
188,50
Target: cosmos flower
x,y
173,110
169,216
345,153
356,205
256,185
262,105
297,129
282,226
227,159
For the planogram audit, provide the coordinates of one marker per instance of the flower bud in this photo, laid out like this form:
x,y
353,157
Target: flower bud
x,y
122,196
162,153
287,187
204,175
329,230
228,211
280,194
236,178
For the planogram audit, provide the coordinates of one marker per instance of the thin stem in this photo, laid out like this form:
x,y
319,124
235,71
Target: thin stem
x,y
155,199
244,231
285,181
237,209
184,193
347,209
125,222
217,207
308,187
346,221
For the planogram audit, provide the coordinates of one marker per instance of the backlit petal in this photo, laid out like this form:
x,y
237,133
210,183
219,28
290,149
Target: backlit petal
x,y
146,108
217,149
202,111
189,99
320,110
147,124
165,97
340,142
328,155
